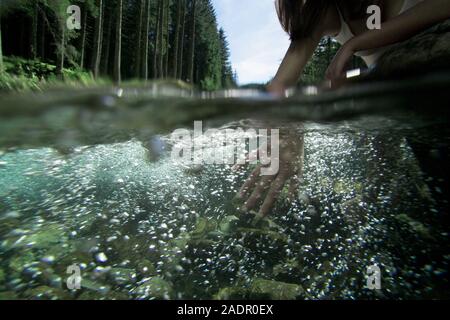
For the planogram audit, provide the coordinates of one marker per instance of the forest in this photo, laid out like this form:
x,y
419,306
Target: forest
x,y
123,40
113,39
314,71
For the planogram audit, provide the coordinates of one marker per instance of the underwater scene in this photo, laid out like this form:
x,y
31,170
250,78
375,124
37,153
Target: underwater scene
x,y
93,205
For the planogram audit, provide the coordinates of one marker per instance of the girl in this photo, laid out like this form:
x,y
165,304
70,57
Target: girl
x,y
307,21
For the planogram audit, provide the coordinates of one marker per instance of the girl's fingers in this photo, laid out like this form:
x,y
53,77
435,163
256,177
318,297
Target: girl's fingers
x,y
293,190
249,183
258,192
273,194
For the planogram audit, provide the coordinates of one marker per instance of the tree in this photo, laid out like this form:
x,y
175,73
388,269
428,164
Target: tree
x,y
159,41
43,30
177,39
107,45
139,55
59,9
34,29
167,37
118,48
180,50
146,40
98,35
83,36
2,68
227,80
191,55
316,67
164,38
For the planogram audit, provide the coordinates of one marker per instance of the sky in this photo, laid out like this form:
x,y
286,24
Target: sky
x,y
257,42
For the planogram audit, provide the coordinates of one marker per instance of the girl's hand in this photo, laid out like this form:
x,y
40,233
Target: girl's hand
x,y
277,90
261,192
336,69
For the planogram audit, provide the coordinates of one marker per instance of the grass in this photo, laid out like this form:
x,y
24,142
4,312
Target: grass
x,y
33,75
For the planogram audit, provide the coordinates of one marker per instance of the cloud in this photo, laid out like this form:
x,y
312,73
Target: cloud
x,y
257,42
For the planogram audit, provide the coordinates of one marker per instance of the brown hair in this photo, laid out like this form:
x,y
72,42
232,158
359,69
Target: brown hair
x,y
299,18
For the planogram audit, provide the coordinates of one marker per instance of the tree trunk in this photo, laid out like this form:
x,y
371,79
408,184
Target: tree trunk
x,y
190,68
21,40
83,38
2,68
181,41
108,46
144,61
166,27
42,37
61,50
118,49
97,54
138,67
157,40
34,31
176,41
161,40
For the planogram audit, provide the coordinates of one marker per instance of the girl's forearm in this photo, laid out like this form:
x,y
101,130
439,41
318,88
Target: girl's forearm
x,y
294,62
402,27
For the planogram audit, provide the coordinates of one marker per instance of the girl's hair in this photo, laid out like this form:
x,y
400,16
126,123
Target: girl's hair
x,y
299,18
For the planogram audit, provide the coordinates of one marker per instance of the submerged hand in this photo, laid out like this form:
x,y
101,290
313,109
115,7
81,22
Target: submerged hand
x,y
256,186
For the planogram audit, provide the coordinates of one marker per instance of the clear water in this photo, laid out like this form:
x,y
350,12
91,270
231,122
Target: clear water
x,y
86,180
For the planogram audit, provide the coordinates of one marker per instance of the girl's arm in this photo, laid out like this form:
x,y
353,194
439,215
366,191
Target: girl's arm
x,y
292,66
400,28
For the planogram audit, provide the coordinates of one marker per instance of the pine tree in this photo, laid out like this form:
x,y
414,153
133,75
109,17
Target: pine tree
x,y
157,40
106,51
191,55
177,40
142,6
167,38
161,39
2,67
98,35
83,36
34,29
59,9
179,74
144,54
118,48
227,71
43,30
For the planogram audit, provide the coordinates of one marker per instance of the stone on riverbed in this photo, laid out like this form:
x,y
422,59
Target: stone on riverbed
x,y
277,290
122,276
155,288
262,289
46,293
